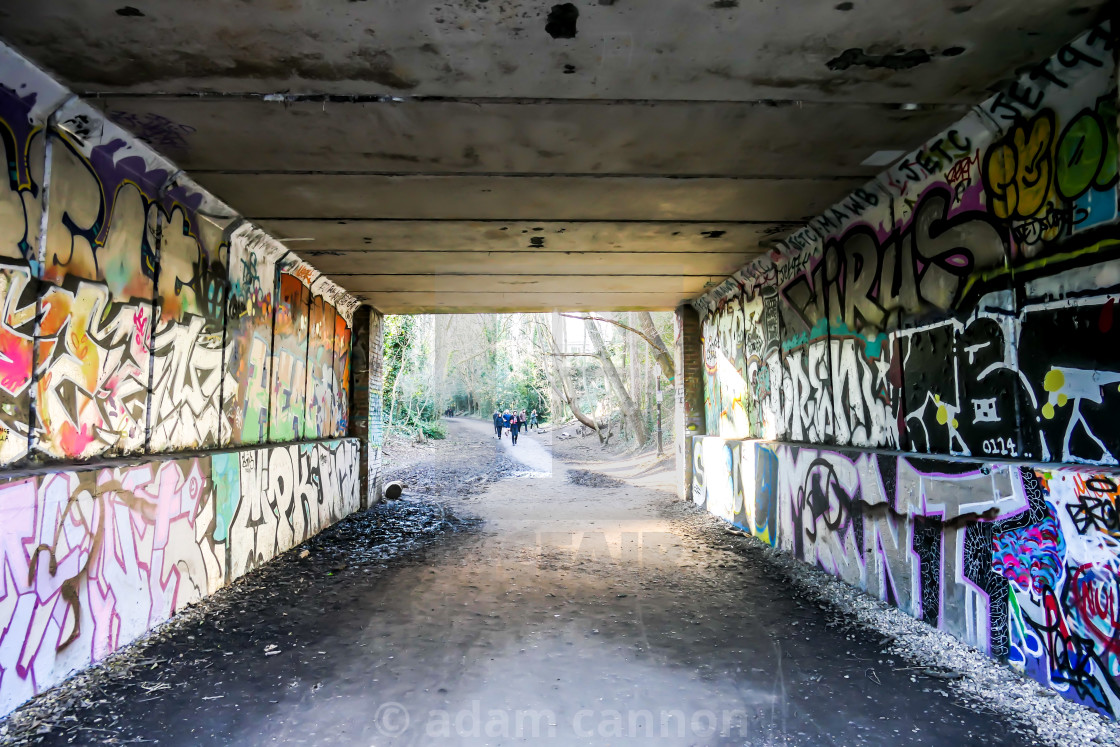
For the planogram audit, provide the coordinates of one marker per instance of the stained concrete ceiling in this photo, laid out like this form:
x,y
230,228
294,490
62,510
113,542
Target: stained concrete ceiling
x,y
516,155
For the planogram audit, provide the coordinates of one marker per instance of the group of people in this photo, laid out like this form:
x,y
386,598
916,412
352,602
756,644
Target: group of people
x,y
513,422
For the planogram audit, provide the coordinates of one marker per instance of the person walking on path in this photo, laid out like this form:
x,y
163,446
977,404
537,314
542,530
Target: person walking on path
x,y
515,427
533,420
497,418
506,419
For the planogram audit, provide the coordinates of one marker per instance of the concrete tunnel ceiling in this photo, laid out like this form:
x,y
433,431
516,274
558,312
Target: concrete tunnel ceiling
x,y
506,155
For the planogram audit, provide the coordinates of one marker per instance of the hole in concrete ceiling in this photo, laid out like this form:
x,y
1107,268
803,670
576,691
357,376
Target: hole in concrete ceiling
x,y
721,4
952,51
128,10
712,234
561,22
569,69
536,242
845,6
901,60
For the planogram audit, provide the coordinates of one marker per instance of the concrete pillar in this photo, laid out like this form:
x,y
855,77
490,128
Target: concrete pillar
x,y
365,401
688,420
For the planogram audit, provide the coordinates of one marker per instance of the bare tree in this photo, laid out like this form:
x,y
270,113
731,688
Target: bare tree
x,y
626,403
559,382
648,333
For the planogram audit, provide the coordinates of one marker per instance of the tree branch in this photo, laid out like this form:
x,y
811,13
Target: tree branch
x,y
640,334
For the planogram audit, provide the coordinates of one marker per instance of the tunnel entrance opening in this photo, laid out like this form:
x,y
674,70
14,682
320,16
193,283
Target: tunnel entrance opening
x,y
598,371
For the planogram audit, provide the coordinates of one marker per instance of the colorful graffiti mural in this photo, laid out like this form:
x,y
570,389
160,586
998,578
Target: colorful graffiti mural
x,y
318,418
290,349
138,317
1021,562
92,558
249,320
26,99
960,307
896,318
188,352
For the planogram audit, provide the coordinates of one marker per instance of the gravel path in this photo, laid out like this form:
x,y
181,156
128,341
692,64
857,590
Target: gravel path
x,y
498,603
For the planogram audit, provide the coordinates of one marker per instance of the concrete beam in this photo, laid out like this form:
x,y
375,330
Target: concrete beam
x,y
341,265
689,285
705,237
536,136
483,301
529,198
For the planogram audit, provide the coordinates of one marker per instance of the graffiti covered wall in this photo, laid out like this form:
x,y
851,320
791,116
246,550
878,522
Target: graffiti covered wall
x,y
141,315
958,311
1019,561
899,318
142,319
92,558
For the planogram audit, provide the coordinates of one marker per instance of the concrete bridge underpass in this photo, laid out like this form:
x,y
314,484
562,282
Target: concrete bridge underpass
x,y
887,230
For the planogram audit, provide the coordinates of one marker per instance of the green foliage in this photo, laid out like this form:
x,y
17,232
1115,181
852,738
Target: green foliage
x,y
408,405
397,336
493,364
479,363
433,429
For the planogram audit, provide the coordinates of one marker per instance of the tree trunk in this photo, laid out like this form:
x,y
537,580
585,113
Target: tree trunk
x,y
645,321
556,345
647,364
558,383
632,362
563,394
629,411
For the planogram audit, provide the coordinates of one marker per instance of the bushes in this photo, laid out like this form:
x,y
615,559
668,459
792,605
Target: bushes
x,y
433,429
408,403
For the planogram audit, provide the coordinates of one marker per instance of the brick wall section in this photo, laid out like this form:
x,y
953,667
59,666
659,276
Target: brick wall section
x,y
359,397
688,399
365,424
375,478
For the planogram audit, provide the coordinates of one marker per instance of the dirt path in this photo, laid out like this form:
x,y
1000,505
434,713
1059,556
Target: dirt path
x,y
575,613
531,450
